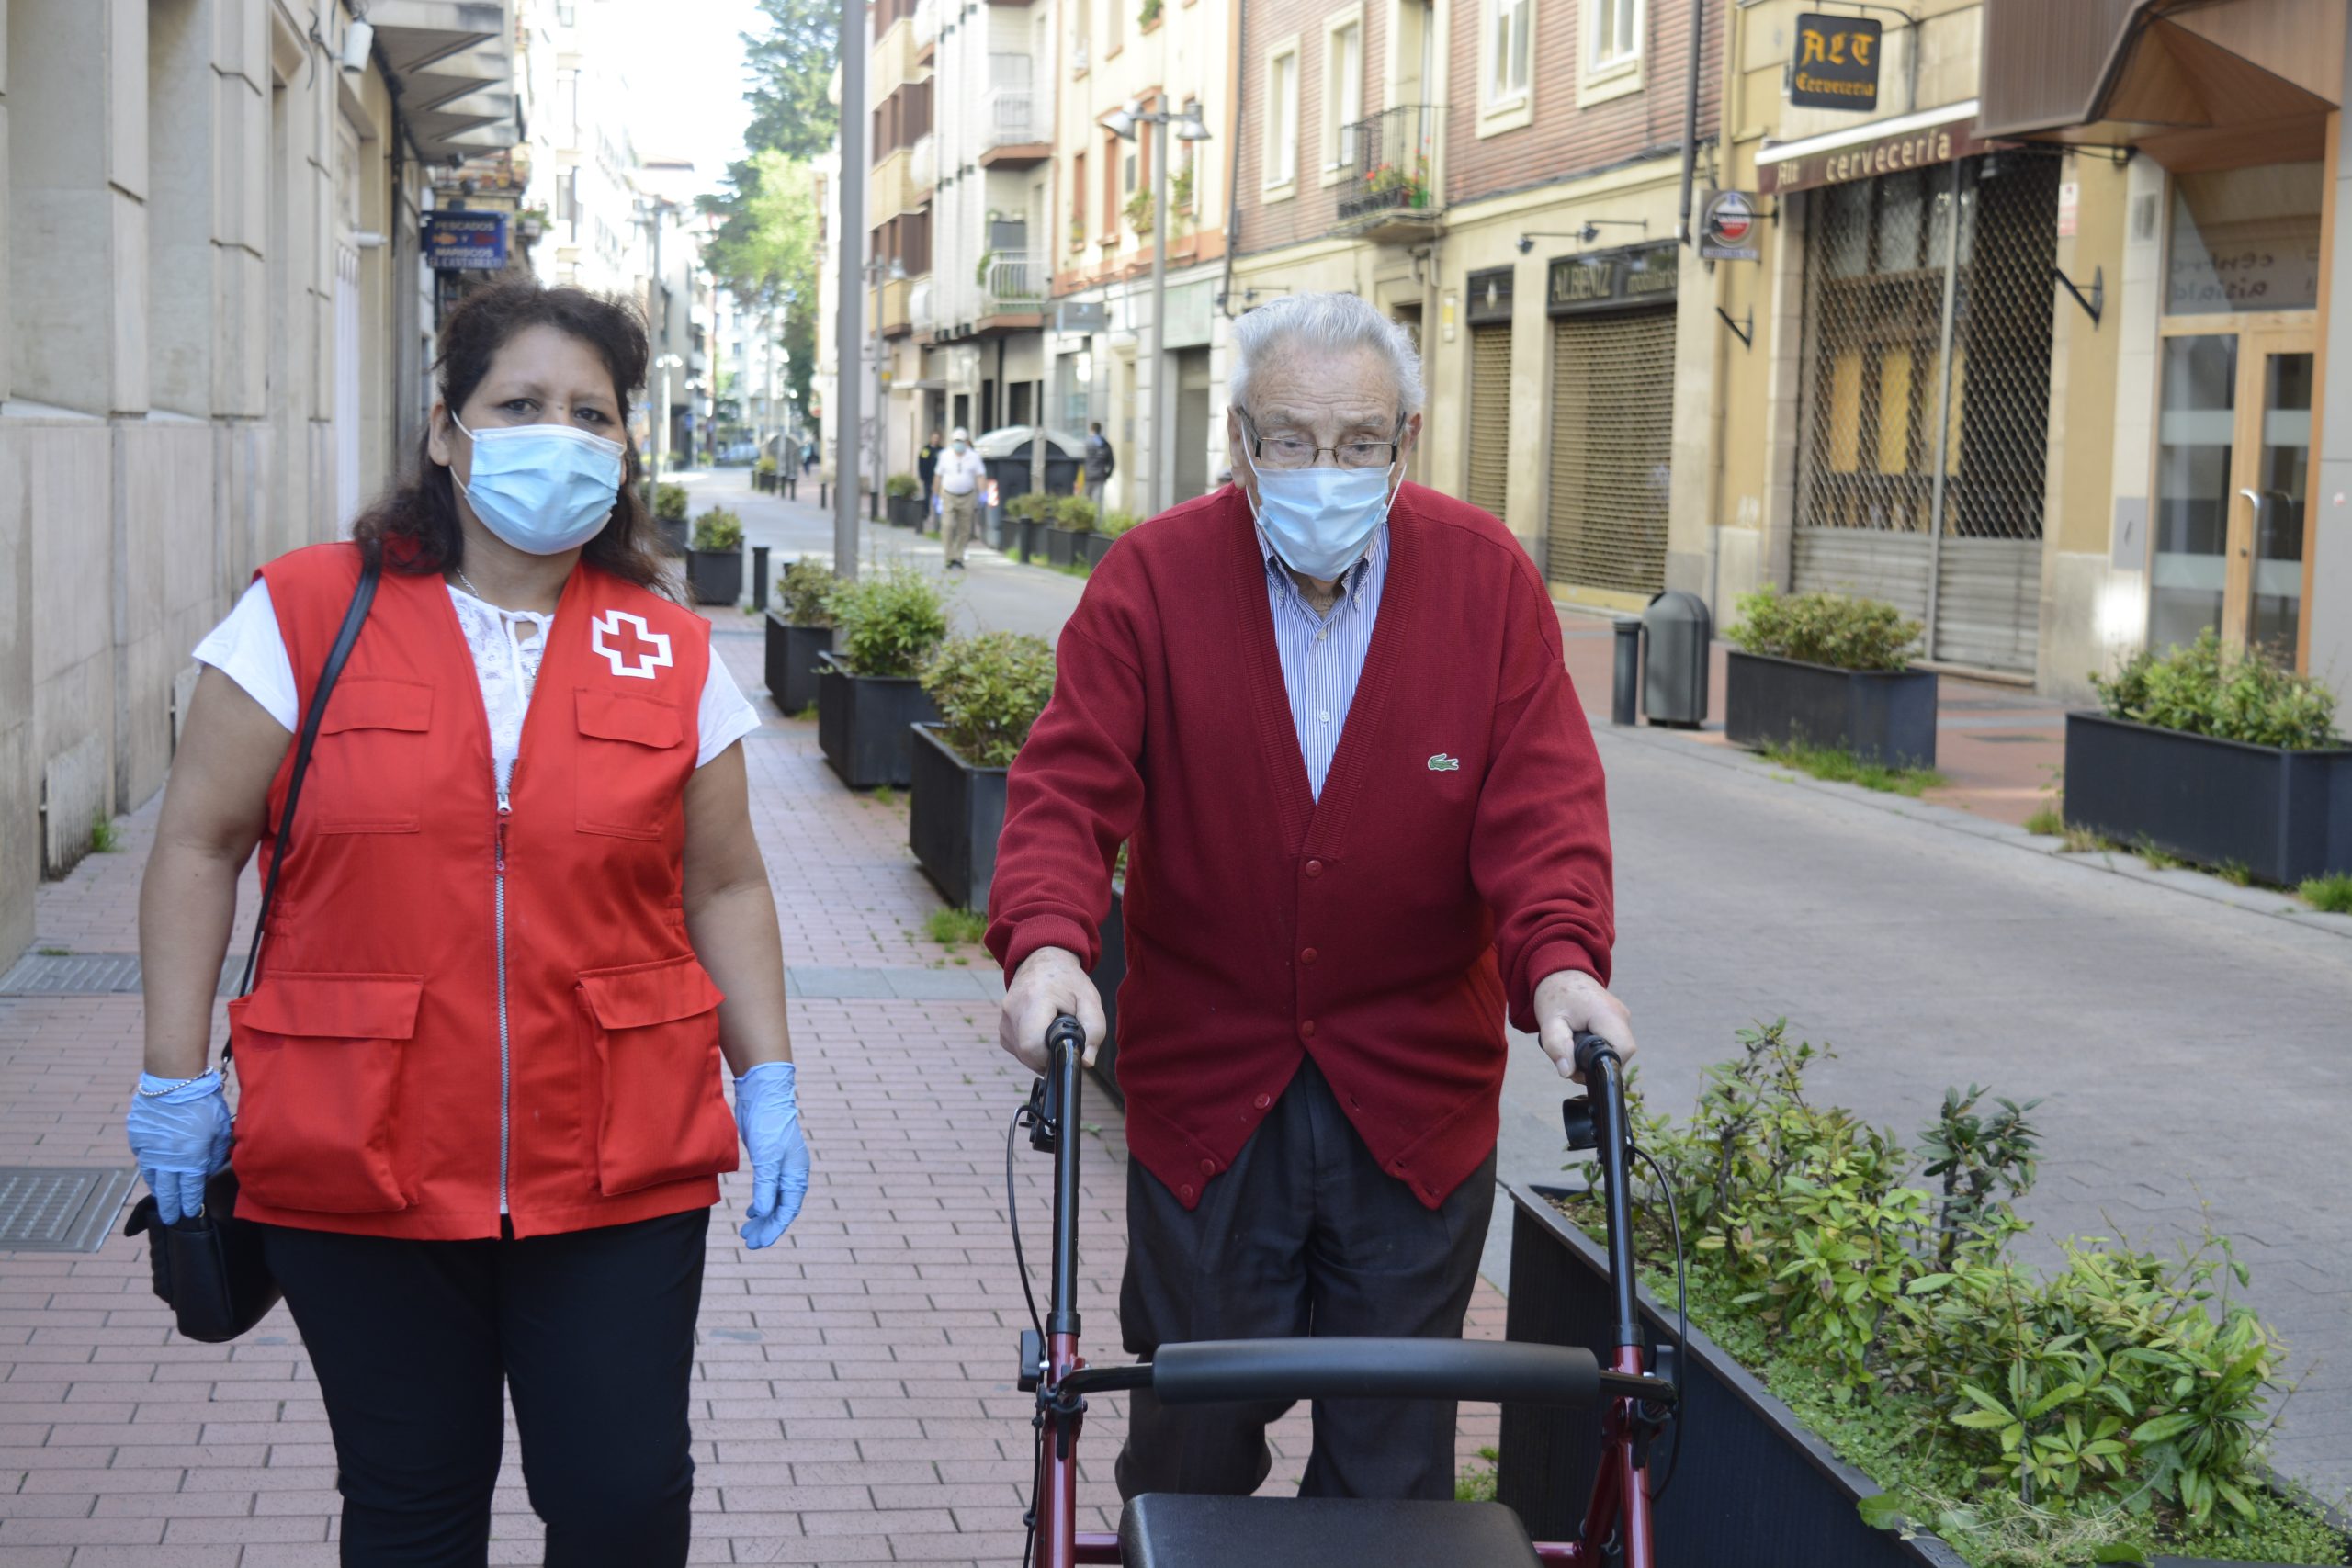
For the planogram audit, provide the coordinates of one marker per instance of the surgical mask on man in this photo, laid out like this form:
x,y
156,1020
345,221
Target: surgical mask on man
x,y
544,488
963,446
1320,520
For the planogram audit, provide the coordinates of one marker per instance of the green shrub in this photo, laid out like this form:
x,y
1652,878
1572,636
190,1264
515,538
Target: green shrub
x,y
1035,506
2202,689
2331,894
670,503
1075,513
1116,521
1825,628
1875,1290
804,592
765,466
719,529
889,621
989,689
901,487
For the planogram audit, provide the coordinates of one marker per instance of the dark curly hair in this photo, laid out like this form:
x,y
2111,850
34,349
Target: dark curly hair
x,y
415,528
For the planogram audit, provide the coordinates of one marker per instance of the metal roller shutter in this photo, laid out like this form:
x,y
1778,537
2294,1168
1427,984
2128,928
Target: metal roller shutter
x,y
1612,431
1490,417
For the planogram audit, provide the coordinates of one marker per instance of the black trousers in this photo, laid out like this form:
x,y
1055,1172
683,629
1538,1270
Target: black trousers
x,y
592,1332
1305,1235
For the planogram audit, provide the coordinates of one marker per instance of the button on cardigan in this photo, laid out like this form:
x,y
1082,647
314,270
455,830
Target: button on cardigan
x,y
1457,854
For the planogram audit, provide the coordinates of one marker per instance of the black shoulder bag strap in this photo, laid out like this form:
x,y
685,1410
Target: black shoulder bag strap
x,y
353,619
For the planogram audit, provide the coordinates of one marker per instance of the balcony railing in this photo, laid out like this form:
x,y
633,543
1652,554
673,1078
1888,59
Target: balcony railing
x,y
1390,166
1008,115
922,171
918,310
926,24
1016,283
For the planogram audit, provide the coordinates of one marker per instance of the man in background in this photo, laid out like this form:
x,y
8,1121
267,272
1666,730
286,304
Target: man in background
x,y
1100,462
961,474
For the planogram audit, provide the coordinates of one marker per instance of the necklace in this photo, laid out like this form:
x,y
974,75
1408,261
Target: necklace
x,y
461,574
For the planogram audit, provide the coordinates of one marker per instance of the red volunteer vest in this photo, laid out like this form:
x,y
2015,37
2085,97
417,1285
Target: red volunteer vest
x,y
464,1001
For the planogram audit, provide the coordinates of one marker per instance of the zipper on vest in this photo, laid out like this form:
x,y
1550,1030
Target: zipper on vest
x,y
505,1064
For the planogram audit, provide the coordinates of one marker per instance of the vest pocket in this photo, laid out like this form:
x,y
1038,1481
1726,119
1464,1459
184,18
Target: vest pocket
x,y
318,1067
629,780
651,1031
367,773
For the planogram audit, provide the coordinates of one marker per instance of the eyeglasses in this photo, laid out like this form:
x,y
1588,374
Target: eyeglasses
x,y
1289,449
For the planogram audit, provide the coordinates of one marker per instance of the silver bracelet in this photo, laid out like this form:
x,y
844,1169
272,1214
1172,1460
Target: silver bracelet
x,y
173,1087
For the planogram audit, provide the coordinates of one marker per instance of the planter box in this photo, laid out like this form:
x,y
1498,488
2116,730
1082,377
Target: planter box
x,y
1753,1485
1108,973
792,655
955,812
865,724
716,576
992,527
1880,716
673,536
906,511
1093,548
2283,815
1061,546
1027,537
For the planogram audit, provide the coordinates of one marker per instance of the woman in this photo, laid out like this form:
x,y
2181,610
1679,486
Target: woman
x,y
521,918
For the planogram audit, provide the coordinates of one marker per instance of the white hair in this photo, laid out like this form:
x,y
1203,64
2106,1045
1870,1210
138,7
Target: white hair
x,y
1321,324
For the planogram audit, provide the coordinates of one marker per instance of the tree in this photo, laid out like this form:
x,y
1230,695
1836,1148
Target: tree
x,y
765,252
790,67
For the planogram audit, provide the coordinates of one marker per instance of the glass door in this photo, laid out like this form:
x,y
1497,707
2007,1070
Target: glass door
x,y
2233,440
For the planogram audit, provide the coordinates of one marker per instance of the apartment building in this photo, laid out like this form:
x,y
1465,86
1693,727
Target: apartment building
x,y
904,170
584,195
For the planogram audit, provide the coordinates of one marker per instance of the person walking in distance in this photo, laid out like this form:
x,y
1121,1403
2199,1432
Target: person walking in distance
x,y
961,474
1100,462
927,473
1324,710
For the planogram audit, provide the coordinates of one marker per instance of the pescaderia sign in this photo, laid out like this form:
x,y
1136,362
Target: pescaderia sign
x,y
1867,160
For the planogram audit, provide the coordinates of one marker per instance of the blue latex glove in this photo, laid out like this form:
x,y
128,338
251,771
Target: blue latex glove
x,y
180,1135
768,1115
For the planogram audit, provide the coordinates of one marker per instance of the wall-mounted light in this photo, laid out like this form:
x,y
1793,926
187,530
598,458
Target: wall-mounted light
x,y
358,41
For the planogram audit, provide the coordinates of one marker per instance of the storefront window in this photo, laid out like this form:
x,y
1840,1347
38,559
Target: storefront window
x,y
2245,240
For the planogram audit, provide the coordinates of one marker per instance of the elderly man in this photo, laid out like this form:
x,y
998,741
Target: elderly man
x,y
961,474
1327,712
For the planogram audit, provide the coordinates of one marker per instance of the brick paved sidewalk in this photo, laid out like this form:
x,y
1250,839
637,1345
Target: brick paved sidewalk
x,y
854,1398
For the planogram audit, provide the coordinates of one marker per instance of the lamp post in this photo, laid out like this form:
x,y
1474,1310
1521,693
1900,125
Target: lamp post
x,y
665,364
877,273
1123,123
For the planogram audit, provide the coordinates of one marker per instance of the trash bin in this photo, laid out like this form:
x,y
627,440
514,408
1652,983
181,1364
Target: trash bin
x,y
1679,631
1006,455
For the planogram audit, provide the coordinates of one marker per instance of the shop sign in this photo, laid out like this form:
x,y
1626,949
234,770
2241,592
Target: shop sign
x,y
1728,231
1868,160
465,241
1081,316
1490,295
1644,274
1837,63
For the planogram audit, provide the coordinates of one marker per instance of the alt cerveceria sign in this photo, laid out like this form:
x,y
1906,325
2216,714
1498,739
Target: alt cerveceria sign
x,y
1867,160
1837,63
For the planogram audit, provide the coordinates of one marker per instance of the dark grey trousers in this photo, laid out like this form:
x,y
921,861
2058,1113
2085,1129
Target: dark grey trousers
x,y
1305,1235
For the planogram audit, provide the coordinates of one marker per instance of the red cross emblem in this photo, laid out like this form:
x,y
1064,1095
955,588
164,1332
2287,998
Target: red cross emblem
x,y
628,645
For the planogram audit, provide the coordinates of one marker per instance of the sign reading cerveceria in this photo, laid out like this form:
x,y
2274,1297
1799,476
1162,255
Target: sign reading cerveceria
x,y
1865,159
1836,66
1644,274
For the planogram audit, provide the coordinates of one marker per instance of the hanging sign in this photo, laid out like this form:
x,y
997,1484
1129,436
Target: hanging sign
x,y
1837,63
1490,295
465,241
1728,231
1785,169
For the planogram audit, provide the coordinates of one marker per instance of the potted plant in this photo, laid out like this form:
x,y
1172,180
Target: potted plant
x,y
902,498
764,476
1033,514
1148,16
1138,211
669,516
1098,530
715,565
885,624
1829,671
2218,758
988,689
799,633
1858,1322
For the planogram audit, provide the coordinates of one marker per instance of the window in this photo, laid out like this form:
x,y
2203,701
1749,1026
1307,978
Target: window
x,y
1616,33
1281,117
1078,201
1343,93
1115,24
1506,50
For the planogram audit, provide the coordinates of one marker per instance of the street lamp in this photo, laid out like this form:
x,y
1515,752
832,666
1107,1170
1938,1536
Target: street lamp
x,y
877,273
665,364
1124,123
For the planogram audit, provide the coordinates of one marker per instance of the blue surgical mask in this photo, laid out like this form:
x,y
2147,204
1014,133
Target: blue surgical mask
x,y
544,488
1320,520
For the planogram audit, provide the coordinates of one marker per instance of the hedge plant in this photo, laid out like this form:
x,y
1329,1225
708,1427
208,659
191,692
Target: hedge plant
x,y
2116,1403
901,487
719,529
989,689
889,621
1075,513
1825,628
1116,521
669,503
2203,689
804,592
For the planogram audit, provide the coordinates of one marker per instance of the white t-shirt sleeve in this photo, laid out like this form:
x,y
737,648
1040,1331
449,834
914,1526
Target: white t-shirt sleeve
x,y
249,649
726,715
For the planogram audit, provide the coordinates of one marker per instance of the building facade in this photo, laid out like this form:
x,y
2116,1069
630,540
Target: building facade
x,y
216,334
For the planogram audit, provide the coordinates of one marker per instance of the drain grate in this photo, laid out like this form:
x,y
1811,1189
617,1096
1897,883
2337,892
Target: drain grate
x,y
59,1208
41,974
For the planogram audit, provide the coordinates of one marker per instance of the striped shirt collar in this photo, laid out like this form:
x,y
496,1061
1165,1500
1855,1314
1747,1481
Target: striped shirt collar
x,y
1351,582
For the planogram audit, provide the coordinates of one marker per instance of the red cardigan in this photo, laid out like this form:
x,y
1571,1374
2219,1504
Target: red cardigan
x,y
1380,929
